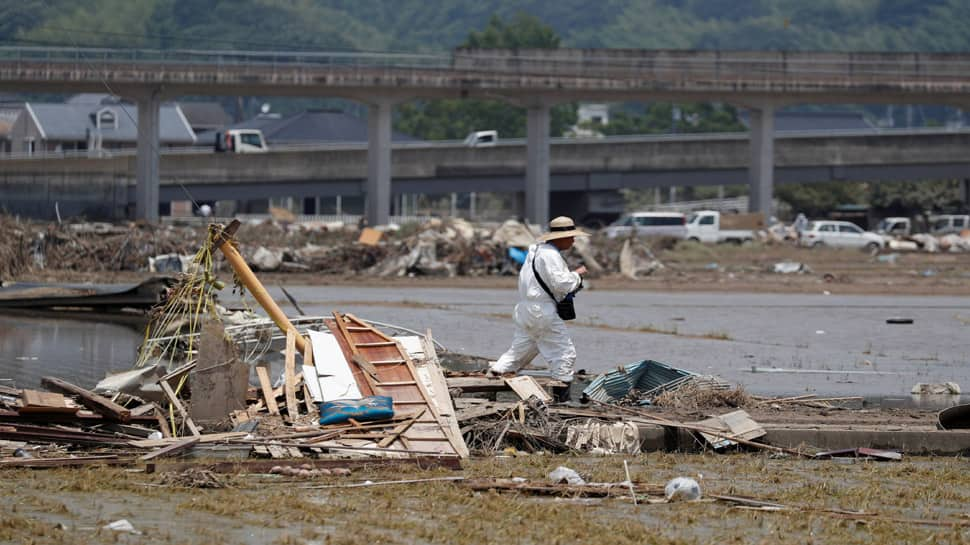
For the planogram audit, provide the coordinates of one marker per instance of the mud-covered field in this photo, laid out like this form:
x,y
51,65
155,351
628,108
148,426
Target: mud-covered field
x,y
917,500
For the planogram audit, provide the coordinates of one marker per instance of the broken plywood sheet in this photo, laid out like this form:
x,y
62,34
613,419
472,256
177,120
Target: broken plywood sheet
x,y
735,424
396,378
335,378
525,387
312,382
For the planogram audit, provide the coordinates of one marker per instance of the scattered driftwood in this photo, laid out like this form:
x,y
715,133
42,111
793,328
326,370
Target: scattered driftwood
x,y
591,490
89,399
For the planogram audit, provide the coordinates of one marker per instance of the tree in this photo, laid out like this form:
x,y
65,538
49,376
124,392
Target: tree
x,y
453,119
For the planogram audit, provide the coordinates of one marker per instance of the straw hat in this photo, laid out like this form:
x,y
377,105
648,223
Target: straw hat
x,y
562,227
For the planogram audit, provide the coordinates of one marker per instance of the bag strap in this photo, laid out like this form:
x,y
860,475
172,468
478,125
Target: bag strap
x,y
539,278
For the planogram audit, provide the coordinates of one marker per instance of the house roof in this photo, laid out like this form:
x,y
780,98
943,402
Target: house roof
x,y
73,121
314,126
813,121
205,115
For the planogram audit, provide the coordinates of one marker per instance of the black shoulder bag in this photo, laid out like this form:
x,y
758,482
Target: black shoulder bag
x,y
565,308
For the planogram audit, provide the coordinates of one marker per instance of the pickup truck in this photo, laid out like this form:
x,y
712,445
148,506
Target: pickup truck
x,y
712,226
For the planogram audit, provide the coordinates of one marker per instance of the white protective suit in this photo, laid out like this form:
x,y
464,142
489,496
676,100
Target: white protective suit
x,y
538,329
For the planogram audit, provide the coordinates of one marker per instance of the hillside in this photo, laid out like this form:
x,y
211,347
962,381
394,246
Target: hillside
x,y
438,25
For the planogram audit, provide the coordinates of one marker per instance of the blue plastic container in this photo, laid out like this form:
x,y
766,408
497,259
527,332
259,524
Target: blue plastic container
x,y
362,410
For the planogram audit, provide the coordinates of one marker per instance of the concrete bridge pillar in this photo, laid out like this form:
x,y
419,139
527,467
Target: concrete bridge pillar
x,y
761,169
378,186
965,191
537,164
146,160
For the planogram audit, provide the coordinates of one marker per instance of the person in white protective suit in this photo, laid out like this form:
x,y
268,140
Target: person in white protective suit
x,y
538,327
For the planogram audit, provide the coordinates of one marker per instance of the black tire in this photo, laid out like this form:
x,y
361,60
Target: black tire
x,y
818,244
693,239
872,247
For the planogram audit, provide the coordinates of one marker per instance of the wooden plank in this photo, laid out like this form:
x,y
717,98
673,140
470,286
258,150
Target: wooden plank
x,y
172,449
309,373
262,372
44,402
204,438
289,377
442,396
105,459
400,429
340,334
525,387
163,423
143,409
174,400
99,404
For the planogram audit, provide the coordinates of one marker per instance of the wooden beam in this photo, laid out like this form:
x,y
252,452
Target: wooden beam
x,y
179,408
400,429
172,449
262,372
99,404
289,377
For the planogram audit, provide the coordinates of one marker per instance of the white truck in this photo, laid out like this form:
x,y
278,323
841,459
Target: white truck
x,y
241,141
895,226
713,226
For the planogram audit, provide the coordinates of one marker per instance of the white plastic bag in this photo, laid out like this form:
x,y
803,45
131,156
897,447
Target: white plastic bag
x,y
563,473
682,489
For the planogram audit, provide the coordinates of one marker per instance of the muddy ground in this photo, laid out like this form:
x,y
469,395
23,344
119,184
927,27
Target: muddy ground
x,y
917,500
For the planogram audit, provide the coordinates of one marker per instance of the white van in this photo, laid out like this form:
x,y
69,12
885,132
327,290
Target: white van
x,y
660,224
481,139
945,224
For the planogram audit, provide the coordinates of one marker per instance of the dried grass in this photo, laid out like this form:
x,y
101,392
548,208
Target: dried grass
x,y
694,396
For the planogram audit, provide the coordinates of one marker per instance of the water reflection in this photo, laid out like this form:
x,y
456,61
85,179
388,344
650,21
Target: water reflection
x,y
77,351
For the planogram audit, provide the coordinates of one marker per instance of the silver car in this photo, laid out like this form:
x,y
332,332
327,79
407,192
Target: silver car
x,y
659,224
839,234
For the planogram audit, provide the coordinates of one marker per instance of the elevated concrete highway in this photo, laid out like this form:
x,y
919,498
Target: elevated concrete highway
x,y
533,79
31,186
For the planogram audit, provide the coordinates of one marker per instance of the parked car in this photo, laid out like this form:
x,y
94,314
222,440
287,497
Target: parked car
x,y
840,234
895,226
664,224
481,139
712,226
945,224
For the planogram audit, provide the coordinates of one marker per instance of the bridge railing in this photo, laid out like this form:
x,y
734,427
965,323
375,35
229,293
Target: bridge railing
x,y
222,57
717,65
666,65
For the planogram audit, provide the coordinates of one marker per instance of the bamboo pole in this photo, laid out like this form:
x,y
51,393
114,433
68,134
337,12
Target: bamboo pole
x,y
222,238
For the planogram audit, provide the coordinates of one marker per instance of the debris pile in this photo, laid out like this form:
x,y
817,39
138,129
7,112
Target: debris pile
x,y
333,391
451,247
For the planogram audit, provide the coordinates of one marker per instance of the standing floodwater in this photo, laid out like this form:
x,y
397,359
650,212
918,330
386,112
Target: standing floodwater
x,y
770,343
77,351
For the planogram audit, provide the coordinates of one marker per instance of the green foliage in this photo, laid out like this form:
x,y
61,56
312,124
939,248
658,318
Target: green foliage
x,y
438,25
665,117
524,31
911,198
453,119
818,199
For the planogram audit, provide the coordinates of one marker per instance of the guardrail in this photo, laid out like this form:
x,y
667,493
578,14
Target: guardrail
x,y
430,144
616,63
712,65
224,57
